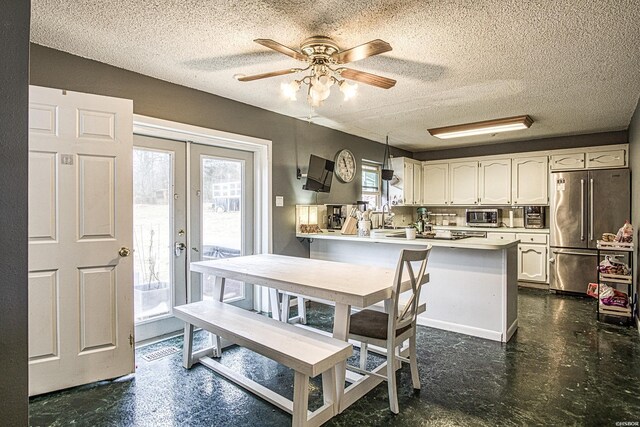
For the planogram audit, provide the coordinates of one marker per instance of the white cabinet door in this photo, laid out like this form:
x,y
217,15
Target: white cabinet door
x,y
529,181
606,159
435,184
532,263
406,187
463,183
417,183
495,182
567,161
407,194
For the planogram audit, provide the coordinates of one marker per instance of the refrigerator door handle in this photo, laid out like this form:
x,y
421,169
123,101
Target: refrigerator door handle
x,y
582,209
591,209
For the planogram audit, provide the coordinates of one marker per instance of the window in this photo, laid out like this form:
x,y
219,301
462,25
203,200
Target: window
x,y
371,188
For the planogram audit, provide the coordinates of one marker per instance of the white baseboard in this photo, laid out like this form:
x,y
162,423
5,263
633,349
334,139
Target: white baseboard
x,y
462,329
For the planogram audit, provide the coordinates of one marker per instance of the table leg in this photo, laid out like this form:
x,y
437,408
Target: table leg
x,y
275,304
341,331
218,293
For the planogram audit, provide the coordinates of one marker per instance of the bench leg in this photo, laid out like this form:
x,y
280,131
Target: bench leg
x,y
300,399
187,351
275,304
329,389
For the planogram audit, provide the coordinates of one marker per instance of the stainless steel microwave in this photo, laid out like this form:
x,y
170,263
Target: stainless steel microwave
x,y
483,217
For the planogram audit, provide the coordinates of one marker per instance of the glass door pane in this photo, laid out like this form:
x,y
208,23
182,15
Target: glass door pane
x,y
221,216
222,213
152,213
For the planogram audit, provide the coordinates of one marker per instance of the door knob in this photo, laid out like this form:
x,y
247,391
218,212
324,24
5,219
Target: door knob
x,y
124,252
179,248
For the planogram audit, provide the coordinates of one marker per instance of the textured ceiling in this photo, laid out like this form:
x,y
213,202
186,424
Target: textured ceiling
x,y
573,66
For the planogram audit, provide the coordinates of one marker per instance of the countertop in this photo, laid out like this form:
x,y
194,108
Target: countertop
x,y
468,243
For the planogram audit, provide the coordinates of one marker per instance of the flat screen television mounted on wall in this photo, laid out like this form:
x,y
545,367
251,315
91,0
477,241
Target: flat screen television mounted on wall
x,y
319,175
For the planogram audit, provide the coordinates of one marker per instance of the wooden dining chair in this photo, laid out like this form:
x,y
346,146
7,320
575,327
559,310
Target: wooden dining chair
x,y
390,330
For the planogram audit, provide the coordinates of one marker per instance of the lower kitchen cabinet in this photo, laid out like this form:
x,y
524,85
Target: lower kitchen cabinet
x,y
532,263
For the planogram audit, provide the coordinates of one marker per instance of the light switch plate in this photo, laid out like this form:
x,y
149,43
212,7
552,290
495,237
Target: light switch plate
x,y
279,201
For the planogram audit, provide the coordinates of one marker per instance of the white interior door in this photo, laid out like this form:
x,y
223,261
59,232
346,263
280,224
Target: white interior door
x,y
80,222
222,216
159,232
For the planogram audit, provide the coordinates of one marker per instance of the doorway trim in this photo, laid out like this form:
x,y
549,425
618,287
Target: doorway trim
x,y
262,152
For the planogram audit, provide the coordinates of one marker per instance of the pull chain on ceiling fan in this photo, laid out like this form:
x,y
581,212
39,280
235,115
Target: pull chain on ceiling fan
x,y
324,59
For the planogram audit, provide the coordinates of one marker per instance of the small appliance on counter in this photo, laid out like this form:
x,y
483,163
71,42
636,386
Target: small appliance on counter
x,y
534,217
483,217
336,214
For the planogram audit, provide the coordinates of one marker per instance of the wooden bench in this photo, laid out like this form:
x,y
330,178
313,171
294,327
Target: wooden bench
x,y
307,353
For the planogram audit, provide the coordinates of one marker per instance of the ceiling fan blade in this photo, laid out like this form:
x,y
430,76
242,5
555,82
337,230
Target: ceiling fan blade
x,y
266,75
374,47
367,78
271,44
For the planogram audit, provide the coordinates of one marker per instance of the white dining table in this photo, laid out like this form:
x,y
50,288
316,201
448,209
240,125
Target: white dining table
x,y
346,285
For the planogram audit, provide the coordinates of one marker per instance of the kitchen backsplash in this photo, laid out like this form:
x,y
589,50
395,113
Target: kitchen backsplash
x,y
457,216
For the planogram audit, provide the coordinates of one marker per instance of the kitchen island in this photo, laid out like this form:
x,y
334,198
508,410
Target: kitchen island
x,y
473,285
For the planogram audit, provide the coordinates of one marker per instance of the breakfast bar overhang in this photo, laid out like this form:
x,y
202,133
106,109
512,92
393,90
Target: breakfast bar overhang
x,y
473,285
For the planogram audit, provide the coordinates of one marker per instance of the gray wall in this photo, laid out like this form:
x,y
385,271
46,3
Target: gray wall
x,y
156,98
634,164
606,138
14,69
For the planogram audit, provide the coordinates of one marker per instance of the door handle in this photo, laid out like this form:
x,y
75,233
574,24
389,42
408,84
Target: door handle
x,y
552,260
124,252
179,248
574,253
582,209
591,209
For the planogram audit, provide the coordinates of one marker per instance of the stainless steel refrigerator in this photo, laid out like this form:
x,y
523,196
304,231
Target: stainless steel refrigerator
x,y
584,204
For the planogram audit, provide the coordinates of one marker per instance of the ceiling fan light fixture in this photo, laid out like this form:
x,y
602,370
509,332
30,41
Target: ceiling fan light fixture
x,y
324,60
348,90
482,128
290,89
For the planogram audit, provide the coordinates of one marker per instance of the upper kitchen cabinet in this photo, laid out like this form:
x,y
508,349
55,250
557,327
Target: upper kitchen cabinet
x,y
603,157
463,183
406,186
495,182
607,159
435,184
567,161
529,180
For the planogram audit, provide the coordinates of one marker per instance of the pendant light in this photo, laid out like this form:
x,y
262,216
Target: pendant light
x,y
387,172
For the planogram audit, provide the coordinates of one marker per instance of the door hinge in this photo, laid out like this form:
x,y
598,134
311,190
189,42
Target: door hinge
x,y
131,340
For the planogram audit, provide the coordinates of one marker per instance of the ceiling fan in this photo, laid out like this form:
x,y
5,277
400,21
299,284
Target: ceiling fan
x,y
324,59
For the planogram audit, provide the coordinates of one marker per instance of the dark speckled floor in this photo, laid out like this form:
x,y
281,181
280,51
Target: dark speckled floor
x,y
562,368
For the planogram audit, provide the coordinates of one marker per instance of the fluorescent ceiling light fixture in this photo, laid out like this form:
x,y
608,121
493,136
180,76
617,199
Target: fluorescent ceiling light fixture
x,y
482,128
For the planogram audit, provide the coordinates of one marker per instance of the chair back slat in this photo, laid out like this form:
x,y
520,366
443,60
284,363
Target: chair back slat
x,y
408,315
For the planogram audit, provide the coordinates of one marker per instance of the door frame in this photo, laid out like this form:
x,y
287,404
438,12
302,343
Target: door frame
x,y
262,177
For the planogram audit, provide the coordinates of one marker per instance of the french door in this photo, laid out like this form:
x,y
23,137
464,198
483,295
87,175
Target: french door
x,y
173,226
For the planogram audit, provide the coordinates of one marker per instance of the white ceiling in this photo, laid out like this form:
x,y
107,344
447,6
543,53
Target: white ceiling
x,y
572,65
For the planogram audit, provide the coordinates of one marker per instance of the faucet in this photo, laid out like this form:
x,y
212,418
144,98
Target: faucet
x,y
383,224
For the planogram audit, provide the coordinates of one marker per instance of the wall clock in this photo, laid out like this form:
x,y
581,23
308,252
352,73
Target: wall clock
x,y
345,168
